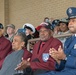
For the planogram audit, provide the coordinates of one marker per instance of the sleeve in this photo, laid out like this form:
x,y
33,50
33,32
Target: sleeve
x,y
43,65
26,54
71,62
67,63
60,66
5,50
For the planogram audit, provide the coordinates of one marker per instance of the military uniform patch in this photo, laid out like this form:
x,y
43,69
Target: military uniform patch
x,y
45,57
70,10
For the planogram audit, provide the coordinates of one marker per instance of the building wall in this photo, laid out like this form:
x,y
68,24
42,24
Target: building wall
x,y
33,11
2,11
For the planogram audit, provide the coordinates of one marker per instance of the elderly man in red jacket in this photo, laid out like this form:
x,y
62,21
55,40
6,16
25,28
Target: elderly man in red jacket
x,y
5,46
40,61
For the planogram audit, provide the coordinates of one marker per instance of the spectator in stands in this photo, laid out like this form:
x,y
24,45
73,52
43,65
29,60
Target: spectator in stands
x,y
10,30
31,33
14,58
5,46
66,58
63,25
36,34
30,30
41,61
46,19
55,26
56,30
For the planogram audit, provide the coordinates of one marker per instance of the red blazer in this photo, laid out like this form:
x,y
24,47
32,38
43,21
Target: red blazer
x,y
26,54
5,48
50,64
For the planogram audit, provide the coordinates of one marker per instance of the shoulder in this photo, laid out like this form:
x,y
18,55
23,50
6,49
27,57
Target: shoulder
x,y
26,51
55,40
37,43
68,39
5,40
26,54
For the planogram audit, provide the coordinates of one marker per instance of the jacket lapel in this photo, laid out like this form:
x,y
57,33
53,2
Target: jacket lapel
x,y
72,43
69,46
46,46
37,48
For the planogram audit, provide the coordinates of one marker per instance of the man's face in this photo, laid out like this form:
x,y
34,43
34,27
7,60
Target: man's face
x,y
63,27
10,30
1,32
72,25
17,43
44,34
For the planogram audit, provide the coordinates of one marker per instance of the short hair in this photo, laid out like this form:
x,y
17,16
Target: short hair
x,y
23,38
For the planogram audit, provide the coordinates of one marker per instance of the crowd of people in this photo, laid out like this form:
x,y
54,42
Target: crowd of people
x,y
49,55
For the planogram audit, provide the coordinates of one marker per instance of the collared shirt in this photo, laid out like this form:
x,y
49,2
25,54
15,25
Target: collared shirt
x,y
41,46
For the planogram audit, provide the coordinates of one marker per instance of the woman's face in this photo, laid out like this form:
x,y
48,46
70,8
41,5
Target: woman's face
x,y
10,30
63,27
28,31
17,43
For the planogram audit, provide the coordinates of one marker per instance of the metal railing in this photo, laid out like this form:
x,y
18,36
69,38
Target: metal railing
x,y
56,36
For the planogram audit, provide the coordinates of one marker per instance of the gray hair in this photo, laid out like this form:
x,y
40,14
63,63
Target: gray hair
x,y
23,38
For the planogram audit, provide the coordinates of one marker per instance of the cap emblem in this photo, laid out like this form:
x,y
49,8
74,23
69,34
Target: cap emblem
x,y
70,10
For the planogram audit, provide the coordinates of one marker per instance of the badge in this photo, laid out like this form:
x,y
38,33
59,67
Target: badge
x,y
70,10
45,57
75,46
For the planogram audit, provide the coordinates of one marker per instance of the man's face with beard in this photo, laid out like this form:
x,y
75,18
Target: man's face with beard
x,y
72,25
44,34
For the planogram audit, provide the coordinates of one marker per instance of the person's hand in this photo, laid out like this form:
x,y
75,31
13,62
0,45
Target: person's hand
x,y
53,53
57,54
23,64
61,55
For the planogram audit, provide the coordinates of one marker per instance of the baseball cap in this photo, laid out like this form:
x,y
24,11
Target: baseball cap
x,y
46,25
63,20
55,23
11,25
